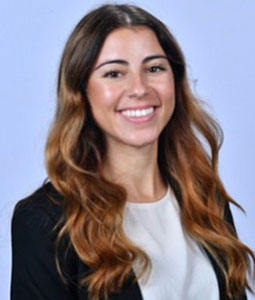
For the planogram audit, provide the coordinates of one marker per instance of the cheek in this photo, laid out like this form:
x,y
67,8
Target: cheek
x,y
103,102
103,95
108,93
167,95
167,91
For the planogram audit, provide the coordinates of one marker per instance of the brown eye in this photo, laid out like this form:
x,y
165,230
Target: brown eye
x,y
112,74
155,69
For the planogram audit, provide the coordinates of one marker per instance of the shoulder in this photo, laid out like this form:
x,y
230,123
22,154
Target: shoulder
x,y
42,208
34,236
36,221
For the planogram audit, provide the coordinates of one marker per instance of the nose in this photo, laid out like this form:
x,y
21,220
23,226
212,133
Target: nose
x,y
137,86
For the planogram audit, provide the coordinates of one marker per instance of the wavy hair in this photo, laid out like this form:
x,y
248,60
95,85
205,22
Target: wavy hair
x,y
76,150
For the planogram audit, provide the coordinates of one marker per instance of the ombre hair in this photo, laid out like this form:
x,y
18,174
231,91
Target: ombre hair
x,y
76,150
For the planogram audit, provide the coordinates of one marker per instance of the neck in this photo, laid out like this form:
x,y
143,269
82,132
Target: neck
x,y
137,170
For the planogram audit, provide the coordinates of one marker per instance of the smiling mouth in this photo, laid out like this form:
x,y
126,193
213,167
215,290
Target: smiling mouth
x,y
137,113
139,116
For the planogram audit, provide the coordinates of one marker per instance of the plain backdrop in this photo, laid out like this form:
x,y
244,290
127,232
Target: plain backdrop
x,y
217,38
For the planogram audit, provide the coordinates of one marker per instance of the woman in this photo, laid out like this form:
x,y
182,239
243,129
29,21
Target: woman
x,y
134,207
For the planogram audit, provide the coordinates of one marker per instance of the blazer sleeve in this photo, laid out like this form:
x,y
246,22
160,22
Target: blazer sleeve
x,y
34,272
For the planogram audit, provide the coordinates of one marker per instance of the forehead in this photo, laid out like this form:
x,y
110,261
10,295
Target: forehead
x,y
126,41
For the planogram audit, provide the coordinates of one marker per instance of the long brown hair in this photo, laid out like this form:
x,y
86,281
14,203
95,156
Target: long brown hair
x,y
76,149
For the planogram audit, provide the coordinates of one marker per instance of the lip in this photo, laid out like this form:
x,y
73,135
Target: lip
x,y
139,120
138,107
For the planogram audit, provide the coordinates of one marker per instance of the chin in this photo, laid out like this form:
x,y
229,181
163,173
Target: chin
x,y
138,143
136,140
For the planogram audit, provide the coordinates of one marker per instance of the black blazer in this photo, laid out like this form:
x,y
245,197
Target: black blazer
x,y
34,273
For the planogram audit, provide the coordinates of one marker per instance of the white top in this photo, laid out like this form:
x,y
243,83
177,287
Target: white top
x,y
181,270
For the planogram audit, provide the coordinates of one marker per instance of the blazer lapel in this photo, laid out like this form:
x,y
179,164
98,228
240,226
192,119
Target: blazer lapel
x,y
219,275
130,290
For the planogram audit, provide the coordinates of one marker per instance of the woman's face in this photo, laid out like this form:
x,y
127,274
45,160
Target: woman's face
x,y
131,87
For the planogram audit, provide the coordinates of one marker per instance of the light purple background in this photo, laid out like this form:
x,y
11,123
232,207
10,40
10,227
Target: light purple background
x,y
217,38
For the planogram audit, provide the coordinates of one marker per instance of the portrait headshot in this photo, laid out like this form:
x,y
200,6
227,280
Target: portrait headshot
x,y
127,157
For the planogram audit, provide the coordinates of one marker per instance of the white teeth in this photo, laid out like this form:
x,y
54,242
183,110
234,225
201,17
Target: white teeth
x,y
138,112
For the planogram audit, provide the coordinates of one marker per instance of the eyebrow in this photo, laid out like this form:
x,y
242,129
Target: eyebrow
x,y
124,62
